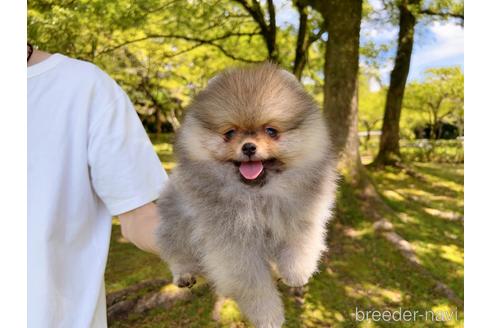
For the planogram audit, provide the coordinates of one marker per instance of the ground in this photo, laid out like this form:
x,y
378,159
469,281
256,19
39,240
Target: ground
x,y
361,271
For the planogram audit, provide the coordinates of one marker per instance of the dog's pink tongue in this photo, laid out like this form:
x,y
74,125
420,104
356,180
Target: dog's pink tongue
x,y
251,170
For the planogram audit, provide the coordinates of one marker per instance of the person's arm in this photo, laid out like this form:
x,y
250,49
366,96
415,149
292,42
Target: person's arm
x,y
139,226
125,171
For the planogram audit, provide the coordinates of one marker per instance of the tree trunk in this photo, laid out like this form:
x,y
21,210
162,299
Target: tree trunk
x,y
272,33
305,38
171,118
300,59
343,20
389,148
268,29
434,125
158,125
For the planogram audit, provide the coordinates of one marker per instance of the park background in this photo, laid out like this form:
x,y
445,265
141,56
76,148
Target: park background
x,y
387,75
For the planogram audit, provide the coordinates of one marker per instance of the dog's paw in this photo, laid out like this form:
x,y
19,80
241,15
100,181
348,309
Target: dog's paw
x,y
296,278
185,280
263,307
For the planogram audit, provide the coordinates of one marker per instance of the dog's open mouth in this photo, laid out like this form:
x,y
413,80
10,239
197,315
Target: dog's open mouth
x,y
254,172
251,170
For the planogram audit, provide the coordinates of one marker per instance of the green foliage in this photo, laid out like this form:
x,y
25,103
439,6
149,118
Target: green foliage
x,y
438,10
163,51
419,151
440,97
429,10
80,28
163,146
371,104
435,151
371,109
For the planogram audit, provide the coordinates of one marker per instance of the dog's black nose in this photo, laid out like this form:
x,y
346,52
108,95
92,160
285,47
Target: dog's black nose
x,y
249,149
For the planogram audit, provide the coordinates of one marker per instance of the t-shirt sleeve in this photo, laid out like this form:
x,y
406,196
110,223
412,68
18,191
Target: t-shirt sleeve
x,y
125,170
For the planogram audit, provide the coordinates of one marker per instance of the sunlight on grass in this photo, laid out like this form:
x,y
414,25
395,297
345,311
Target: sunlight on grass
x,y
406,218
442,214
387,294
229,312
445,314
430,217
392,194
443,151
367,324
452,253
164,148
316,313
358,233
377,294
169,166
170,289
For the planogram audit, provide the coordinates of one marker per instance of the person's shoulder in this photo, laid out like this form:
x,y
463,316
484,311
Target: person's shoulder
x,y
88,76
83,70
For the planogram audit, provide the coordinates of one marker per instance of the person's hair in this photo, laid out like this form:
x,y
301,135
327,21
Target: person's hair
x,y
30,51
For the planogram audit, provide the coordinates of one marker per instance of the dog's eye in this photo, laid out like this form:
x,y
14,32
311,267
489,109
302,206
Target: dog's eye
x,y
271,132
229,134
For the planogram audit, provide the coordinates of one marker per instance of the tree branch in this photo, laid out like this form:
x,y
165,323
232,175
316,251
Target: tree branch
x,y
300,58
230,55
316,36
267,30
430,12
199,41
271,16
257,14
304,41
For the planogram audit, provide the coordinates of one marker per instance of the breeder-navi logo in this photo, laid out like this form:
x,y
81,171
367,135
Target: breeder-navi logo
x,y
405,315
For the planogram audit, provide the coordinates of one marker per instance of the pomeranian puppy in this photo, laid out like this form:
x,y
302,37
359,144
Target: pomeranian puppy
x,y
252,190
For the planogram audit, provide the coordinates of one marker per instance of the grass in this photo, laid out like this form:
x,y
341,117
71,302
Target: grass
x,y
430,216
361,270
163,145
435,151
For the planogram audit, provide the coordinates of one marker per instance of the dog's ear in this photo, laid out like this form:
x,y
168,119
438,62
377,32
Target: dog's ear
x,y
275,67
288,75
213,80
219,76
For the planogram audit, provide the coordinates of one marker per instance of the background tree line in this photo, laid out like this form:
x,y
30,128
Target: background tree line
x,y
163,51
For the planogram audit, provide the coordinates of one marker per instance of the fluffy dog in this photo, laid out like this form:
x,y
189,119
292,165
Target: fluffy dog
x,y
253,189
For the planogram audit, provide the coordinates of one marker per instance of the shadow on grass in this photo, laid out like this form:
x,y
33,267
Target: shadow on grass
x,y
364,271
430,217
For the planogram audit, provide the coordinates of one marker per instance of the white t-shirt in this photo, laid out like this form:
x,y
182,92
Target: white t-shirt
x,y
88,158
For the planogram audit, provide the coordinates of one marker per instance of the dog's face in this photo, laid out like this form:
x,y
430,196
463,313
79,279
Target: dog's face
x,y
254,149
257,121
